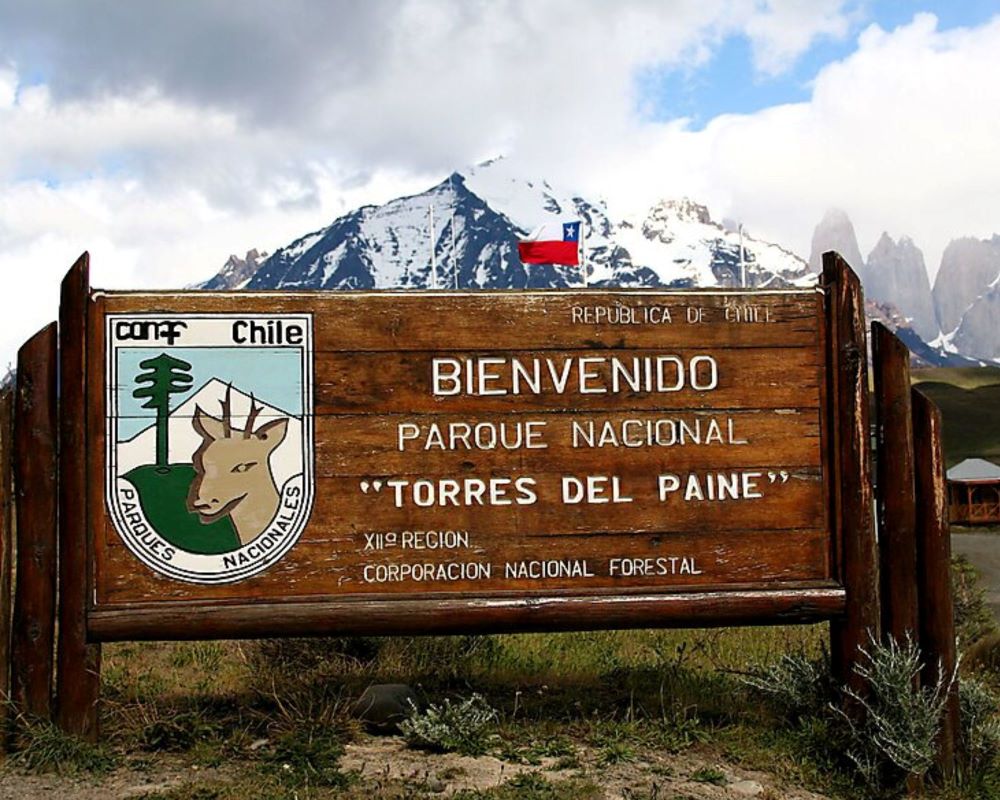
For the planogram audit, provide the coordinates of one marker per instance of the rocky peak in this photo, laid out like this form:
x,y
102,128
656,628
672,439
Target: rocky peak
x,y
668,212
895,273
968,267
237,272
835,232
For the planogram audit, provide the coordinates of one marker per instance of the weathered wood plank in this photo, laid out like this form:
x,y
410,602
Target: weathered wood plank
x,y
6,549
78,663
443,615
399,321
854,500
937,611
645,441
403,382
35,434
359,564
897,513
503,506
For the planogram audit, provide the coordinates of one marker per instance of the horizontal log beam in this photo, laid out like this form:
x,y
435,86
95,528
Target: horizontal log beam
x,y
482,615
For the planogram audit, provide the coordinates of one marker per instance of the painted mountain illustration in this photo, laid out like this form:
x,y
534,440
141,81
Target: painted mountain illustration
x,y
160,462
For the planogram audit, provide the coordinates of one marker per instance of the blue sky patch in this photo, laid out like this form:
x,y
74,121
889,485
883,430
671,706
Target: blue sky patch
x,y
728,84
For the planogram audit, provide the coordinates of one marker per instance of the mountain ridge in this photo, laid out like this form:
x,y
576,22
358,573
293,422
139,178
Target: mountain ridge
x,y
479,216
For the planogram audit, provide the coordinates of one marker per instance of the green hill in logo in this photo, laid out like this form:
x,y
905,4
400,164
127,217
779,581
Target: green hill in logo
x,y
163,495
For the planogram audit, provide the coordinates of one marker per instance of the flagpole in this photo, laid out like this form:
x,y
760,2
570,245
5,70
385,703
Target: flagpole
x,y
743,264
583,253
433,259
454,250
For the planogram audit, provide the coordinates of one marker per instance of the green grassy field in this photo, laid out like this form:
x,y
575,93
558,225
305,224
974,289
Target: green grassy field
x,y
584,716
969,399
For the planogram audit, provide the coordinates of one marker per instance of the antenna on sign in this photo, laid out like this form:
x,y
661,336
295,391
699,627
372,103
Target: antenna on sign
x,y
434,282
454,249
743,263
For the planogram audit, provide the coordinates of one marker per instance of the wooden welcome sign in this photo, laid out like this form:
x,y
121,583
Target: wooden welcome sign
x,y
346,461
254,464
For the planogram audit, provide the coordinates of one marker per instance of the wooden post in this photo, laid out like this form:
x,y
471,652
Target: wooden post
x,y
852,496
6,550
78,672
937,608
895,498
35,495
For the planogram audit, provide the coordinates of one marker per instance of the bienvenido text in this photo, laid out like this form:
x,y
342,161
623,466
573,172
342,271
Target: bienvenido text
x,y
648,374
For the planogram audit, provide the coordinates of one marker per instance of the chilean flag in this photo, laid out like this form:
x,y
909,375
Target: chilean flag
x,y
552,243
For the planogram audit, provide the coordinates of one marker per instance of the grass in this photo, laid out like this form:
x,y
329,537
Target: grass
x,y
573,709
41,747
531,786
961,377
969,399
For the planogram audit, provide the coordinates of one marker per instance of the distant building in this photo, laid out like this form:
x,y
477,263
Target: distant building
x,y
974,492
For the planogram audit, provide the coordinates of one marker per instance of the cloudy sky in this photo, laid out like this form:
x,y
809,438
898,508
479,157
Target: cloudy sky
x,y
163,136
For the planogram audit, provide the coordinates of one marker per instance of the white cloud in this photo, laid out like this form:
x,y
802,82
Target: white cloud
x,y
164,143
902,134
787,28
162,138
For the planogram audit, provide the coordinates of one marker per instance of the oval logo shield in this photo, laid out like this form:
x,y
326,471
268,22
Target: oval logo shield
x,y
209,440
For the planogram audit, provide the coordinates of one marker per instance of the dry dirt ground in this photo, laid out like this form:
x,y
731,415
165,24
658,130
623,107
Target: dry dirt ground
x,y
386,764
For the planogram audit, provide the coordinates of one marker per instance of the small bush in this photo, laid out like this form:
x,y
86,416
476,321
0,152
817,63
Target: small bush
x,y
980,728
176,732
896,738
709,775
461,727
796,685
973,619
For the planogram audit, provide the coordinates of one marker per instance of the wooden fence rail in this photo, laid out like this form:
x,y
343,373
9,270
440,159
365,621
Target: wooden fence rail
x,y
6,550
78,673
933,538
35,495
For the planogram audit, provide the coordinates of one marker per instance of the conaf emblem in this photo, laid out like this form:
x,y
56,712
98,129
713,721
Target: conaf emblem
x,y
210,443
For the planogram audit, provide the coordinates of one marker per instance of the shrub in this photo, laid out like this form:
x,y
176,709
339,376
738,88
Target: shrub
x,y
796,685
896,737
461,727
980,729
973,619
893,738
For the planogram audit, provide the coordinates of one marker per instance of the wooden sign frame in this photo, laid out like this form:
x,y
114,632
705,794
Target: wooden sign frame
x,y
420,612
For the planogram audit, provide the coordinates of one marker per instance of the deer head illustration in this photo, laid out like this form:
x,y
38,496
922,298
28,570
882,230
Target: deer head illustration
x,y
232,470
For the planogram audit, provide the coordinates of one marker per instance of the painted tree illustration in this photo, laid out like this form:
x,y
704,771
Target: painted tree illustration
x,y
164,375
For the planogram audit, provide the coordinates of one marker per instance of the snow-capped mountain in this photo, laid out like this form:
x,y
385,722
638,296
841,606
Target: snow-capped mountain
x,y
185,440
956,324
236,272
967,297
468,226
463,233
